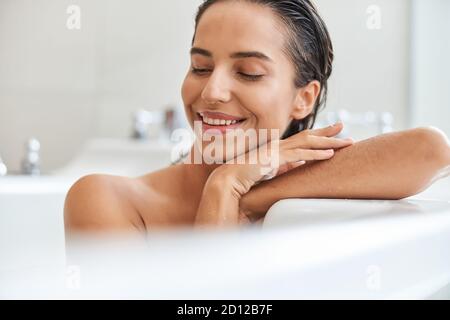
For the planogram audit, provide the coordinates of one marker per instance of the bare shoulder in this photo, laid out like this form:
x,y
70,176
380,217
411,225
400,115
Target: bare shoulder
x,y
101,203
162,199
112,203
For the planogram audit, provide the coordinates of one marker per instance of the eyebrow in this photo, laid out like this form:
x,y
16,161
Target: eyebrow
x,y
236,55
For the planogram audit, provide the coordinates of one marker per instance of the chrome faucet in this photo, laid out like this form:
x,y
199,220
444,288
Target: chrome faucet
x,y
31,161
153,123
141,120
3,168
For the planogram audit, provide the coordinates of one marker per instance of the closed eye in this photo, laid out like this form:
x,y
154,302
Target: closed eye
x,y
200,71
249,77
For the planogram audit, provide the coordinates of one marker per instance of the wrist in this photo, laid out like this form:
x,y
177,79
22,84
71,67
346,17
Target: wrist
x,y
223,183
218,205
256,202
247,206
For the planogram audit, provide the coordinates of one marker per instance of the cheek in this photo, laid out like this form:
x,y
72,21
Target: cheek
x,y
270,104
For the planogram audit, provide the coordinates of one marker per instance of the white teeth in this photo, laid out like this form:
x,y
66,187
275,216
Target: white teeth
x,y
217,122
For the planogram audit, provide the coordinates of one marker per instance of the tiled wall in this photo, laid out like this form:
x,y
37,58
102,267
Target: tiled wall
x,y
65,87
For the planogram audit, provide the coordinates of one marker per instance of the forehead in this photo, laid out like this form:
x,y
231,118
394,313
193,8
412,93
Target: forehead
x,y
238,25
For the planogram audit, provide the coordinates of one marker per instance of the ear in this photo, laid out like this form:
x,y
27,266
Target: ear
x,y
305,100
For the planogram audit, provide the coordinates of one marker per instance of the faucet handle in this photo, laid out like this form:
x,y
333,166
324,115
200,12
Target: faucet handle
x,y
31,161
140,124
33,145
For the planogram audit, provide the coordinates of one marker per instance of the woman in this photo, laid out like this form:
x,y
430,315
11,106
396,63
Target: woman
x,y
258,65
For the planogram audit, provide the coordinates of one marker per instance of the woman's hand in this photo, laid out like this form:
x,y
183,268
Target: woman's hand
x,y
308,145
226,185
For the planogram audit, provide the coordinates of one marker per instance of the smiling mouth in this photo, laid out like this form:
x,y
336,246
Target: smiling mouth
x,y
211,120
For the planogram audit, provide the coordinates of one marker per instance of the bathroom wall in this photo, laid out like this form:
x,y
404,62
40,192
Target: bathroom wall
x,y
371,69
430,81
66,86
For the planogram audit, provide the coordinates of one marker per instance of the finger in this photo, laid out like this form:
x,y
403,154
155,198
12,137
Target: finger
x,y
319,142
282,169
329,131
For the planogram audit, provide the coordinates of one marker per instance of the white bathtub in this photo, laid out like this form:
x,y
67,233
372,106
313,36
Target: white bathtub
x,y
306,249
31,220
31,208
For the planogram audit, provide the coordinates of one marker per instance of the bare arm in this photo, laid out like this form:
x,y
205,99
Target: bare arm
x,y
225,186
391,166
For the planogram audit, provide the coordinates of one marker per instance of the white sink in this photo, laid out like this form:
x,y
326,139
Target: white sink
x,y
125,157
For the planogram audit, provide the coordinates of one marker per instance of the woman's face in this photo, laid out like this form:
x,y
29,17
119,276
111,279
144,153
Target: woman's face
x,y
239,70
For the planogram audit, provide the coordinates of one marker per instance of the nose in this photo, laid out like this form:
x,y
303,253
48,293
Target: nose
x,y
216,89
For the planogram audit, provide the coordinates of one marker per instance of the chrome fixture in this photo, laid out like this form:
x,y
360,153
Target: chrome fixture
x,y
141,120
147,124
157,123
31,161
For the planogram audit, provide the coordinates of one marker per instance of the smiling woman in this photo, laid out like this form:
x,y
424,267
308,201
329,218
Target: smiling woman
x,y
304,38
258,65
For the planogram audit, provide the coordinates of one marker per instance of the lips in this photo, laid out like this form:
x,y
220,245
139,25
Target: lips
x,y
219,116
219,121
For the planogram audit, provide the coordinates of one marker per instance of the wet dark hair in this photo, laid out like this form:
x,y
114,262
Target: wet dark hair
x,y
308,46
